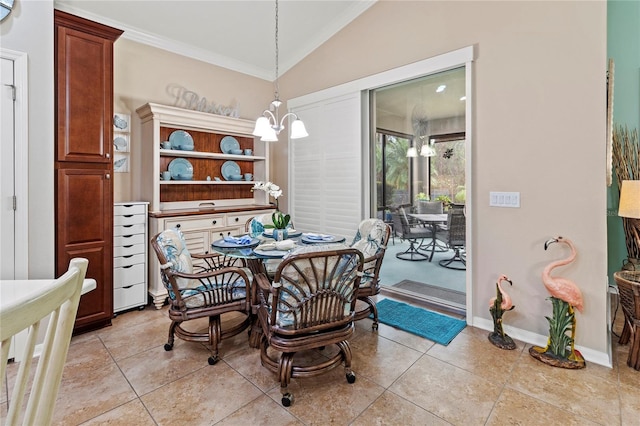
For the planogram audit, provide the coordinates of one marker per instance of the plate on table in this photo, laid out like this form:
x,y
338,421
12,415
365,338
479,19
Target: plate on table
x,y
321,239
229,143
231,245
230,168
180,169
273,254
181,140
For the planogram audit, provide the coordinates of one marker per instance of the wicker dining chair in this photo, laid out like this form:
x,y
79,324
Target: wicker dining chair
x,y
371,239
219,286
629,290
309,305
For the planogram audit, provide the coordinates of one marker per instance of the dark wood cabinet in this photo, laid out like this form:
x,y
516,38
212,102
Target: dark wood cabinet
x,y
83,159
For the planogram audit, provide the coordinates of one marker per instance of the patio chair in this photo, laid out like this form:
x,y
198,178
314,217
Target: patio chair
x,y
455,237
310,305
413,234
221,285
371,239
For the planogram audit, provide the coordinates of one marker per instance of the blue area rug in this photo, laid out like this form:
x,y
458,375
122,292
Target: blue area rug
x,y
431,325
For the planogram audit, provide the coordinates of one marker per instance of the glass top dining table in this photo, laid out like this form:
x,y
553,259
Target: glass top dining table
x,y
263,247
257,254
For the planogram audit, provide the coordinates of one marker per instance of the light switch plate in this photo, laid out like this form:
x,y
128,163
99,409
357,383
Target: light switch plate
x,y
504,199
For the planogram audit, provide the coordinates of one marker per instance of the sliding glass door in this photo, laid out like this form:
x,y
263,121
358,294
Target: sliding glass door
x,y
420,154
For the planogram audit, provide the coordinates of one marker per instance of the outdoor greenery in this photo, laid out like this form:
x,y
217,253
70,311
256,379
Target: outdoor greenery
x,y
447,172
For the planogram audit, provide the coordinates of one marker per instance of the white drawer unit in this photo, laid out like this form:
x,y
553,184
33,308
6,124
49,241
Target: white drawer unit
x,y
130,255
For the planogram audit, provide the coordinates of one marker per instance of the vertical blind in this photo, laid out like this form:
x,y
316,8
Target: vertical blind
x,y
326,167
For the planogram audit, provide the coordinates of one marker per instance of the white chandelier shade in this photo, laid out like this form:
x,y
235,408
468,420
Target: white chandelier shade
x,y
269,125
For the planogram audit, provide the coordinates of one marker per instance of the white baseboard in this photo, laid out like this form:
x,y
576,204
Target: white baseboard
x,y
590,355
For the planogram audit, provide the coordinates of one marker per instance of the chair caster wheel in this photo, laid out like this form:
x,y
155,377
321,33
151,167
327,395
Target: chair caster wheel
x,y
351,378
213,359
374,326
168,347
287,400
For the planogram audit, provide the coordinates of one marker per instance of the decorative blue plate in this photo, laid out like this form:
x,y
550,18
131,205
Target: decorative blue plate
x,y
230,168
228,245
321,239
181,140
180,169
228,143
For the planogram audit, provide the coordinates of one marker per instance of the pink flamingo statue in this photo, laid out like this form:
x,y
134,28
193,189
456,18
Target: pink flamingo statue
x,y
498,305
506,304
561,290
559,287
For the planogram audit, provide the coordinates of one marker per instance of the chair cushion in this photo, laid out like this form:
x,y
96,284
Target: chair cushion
x,y
202,296
174,248
289,294
368,240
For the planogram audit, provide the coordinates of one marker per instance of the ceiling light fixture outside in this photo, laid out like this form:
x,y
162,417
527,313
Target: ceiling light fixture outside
x,y
269,125
426,150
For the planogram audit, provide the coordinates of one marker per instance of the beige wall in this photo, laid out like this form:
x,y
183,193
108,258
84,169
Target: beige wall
x,y
145,74
538,128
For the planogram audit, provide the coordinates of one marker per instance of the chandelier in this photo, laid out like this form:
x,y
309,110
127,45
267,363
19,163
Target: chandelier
x,y
426,149
269,125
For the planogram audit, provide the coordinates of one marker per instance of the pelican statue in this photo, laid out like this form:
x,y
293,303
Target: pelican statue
x,y
565,296
498,305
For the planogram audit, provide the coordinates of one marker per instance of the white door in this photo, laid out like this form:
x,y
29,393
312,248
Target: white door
x,y
7,161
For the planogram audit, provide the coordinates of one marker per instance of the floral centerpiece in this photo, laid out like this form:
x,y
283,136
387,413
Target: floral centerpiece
x,y
279,219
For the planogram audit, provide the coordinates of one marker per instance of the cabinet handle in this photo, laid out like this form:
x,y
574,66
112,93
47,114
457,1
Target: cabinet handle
x,y
127,236
128,256
128,215
107,176
214,222
127,267
129,246
237,219
108,155
127,226
178,226
129,286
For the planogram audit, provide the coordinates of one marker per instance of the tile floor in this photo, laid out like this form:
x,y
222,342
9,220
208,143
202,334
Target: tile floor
x,y
121,375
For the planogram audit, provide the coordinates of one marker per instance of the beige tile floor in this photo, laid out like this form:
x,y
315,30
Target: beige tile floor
x,y
121,375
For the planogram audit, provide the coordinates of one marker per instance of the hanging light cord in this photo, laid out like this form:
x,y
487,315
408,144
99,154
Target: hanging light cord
x,y
277,91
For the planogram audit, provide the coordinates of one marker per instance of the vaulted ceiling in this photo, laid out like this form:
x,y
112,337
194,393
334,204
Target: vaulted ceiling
x,y
238,35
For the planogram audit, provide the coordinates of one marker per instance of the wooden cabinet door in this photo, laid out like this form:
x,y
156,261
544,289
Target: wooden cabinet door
x,y
84,228
84,189
84,87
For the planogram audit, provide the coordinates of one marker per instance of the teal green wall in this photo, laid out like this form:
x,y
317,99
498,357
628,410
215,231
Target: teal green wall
x,y
623,45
